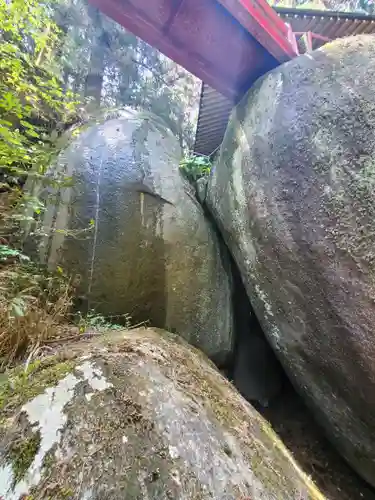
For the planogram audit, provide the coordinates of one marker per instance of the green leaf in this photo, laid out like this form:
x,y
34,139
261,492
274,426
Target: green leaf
x,y
27,124
6,252
17,307
32,133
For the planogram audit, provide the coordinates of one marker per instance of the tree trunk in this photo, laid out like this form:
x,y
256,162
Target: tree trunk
x,y
94,78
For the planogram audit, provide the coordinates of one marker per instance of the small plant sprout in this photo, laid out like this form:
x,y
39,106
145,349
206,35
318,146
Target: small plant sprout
x,y
194,167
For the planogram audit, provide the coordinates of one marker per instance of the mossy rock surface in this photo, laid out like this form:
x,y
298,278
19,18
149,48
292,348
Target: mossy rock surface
x,y
293,192
151,252
137,414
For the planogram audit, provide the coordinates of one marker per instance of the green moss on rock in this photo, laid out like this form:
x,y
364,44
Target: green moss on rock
x,y
21,455
22,385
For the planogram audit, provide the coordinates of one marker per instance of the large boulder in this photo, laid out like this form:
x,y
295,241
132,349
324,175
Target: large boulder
x,y
293,193
151,253
133,415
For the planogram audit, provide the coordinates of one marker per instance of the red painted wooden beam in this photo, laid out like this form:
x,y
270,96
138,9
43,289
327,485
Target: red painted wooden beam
x,y
226,43
258,17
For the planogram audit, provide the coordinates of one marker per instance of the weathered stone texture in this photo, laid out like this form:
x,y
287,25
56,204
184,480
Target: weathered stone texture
x,y
151,254
137,414
293,193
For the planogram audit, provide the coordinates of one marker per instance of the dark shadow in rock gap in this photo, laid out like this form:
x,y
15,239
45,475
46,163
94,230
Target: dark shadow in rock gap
x,y
296,427
272,394
256,372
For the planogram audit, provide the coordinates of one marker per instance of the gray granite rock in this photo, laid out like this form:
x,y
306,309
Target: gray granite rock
x,y
293,194
137,415
151,253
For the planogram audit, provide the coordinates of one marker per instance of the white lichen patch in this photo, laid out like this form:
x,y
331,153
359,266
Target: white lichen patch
x,y
6,478
86,356
87,495
173,452
93,375
46,414
175,475
275,332
263,297
238,181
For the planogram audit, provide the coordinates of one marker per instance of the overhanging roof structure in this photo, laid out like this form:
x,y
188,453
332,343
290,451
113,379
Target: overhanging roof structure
x,y
228,44
331,25
215,109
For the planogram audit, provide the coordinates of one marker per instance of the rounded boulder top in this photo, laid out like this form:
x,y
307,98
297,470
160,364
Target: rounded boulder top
x,y
137,414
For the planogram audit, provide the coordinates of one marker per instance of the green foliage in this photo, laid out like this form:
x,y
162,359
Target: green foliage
x,y
32,101
22,453
22,284
102,61
7,253
98,322
194,167
50,52
34,306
